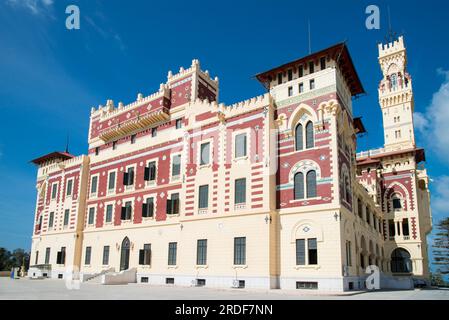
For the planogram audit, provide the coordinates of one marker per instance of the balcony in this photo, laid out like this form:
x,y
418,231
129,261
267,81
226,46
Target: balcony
x,y
133,125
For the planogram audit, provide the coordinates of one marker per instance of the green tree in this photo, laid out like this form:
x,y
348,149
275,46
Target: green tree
x,y
441,247
5,256
17,258
436,279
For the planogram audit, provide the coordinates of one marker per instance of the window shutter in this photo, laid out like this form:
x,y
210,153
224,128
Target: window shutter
x,y
125,178
175,206
311,184
141,257
299,137
146,175
300,252
131,177
144,210
152,171
309,135
150,205
169,206
299,186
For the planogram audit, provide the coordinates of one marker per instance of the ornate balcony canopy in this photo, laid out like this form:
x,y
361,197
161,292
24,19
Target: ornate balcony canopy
x,y
136,124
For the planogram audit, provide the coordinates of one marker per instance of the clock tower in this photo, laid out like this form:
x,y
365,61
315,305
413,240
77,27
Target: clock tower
x,y
396,96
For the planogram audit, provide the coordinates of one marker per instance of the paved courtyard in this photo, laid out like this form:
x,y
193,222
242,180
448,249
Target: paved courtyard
x,y
56,289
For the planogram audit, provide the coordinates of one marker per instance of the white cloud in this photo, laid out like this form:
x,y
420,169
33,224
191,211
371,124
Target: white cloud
x,y
440,196
33,6
434,123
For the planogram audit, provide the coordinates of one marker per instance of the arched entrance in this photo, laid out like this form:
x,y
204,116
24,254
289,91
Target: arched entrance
x,y
400,261
124,255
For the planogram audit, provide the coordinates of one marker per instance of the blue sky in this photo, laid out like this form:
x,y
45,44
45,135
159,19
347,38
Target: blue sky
x,y
50,77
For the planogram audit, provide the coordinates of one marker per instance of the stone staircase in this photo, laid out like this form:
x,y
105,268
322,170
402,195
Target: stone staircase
x,y
96,277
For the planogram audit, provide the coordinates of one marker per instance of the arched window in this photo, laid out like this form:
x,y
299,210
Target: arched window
x,y
299,137
394,81
396,202
299,186
309,135
311,184
400,261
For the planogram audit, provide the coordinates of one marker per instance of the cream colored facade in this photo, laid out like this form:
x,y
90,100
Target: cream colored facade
x,y
274,218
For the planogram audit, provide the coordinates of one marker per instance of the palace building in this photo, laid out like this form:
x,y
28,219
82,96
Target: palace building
x,y
178,188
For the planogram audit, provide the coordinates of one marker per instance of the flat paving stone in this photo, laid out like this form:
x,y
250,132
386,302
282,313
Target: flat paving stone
x,y
57,289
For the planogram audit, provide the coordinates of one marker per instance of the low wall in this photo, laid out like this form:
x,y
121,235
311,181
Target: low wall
x,y
123,277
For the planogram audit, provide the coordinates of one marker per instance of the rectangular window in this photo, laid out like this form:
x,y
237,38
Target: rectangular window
x,y
280,78
313,251
240,145
153,132
105,255
93,185
205,153
405,227
54,190
176,165
111,181
128,177
306,285
114,145
290,91
97,151
323,63
311,67
60,256
367,214
240,191
360,208
90,219
391,229
150,172
203,202
148,208
47,256
301,87
300,71
300,252
240,251
172,251
133,139
51,219
178,123
36,260
290,75
109,209
145,255
348,254
127,211
173,204
201,252
87,255
66,217
312,84
169,280
69,187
